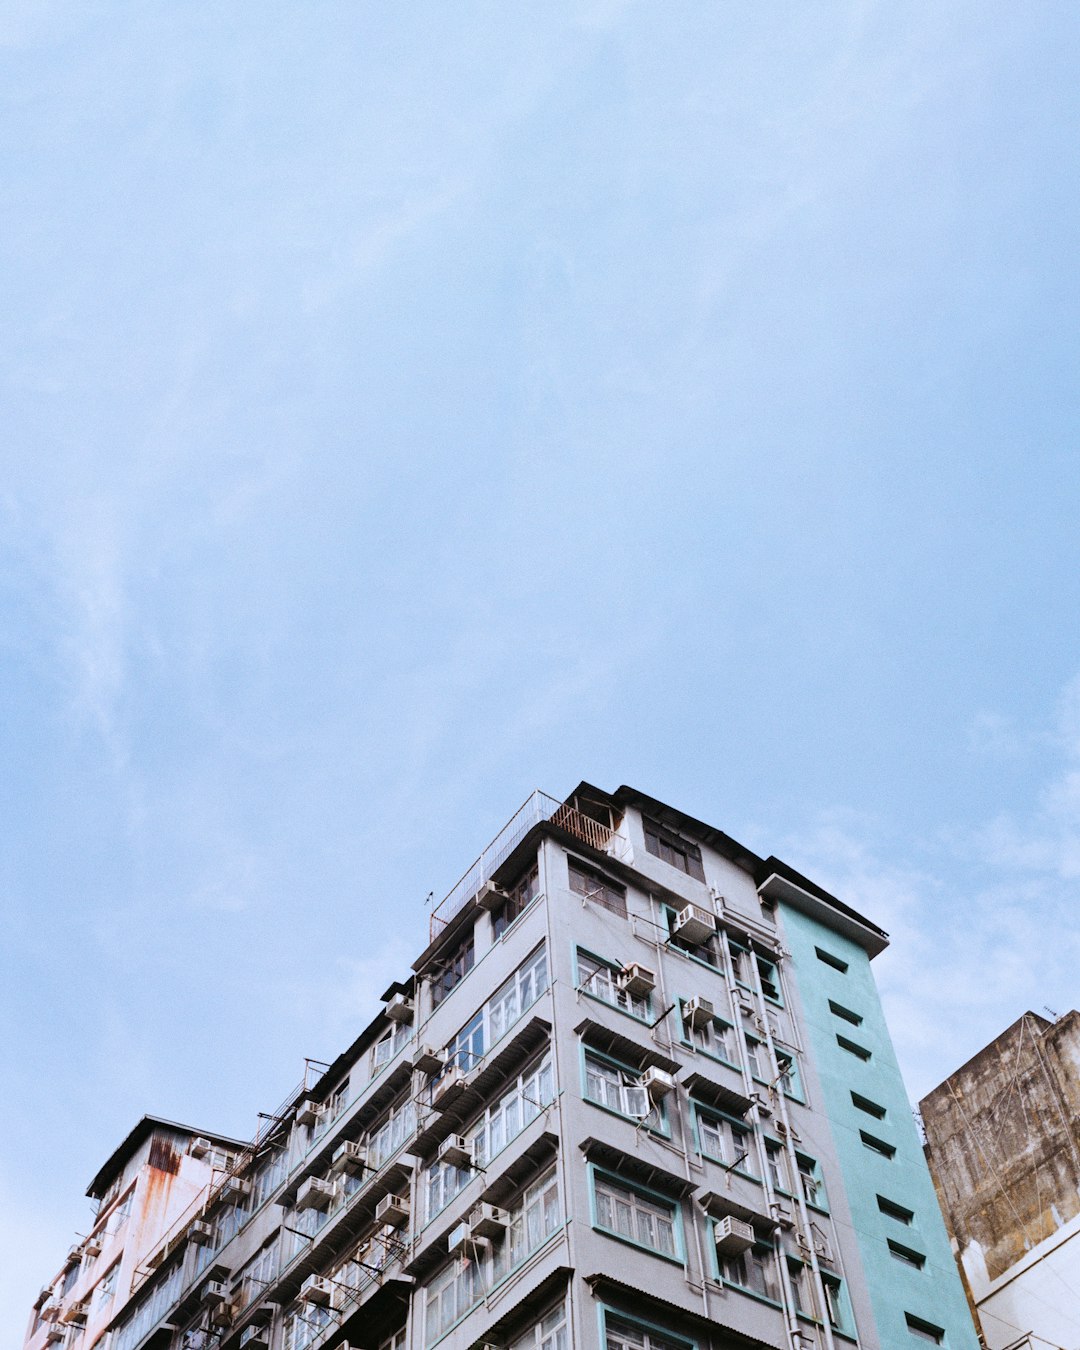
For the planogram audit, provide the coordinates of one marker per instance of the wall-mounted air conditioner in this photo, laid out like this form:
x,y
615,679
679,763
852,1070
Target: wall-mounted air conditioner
x,y
733,1235
213,1293
316,1289
93,1244
392,1210
54,1335
235,1189
308,1113
400,1009
461,1241
699,1012
636,980
455,1151
426,1060
201,1233
255,1338
488,1221
694,924
349,1157
490,896
315,1193
657,1083
75,1313
200,1147
448,1088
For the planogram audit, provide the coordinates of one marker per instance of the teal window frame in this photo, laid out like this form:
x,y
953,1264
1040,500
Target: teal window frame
x,y
659,1109
646,1193
642,1019
686,1040
740,1125
675,1339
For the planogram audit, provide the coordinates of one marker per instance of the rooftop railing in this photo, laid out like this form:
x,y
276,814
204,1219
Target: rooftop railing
x,y
536,808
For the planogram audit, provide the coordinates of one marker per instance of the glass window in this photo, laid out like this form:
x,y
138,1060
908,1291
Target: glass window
x,y
521,896
601,979
388,1044
609,1084
813,1186
777,1163
452,969
715,1037
724,1140
642,1219
549,1333
384,1140
623,1334
305,1325
594,886
754,1269
672,848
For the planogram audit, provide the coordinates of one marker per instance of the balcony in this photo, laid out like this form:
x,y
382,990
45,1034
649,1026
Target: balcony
x,y
535,810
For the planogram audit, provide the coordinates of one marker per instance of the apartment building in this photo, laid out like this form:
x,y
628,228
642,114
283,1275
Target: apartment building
x,y
637,1092
1002,1146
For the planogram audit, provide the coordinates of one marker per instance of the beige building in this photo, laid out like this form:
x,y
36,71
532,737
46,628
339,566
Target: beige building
x,y
1002,1142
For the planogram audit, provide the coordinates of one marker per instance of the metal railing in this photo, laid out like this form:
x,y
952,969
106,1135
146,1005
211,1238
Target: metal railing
x,y
536,808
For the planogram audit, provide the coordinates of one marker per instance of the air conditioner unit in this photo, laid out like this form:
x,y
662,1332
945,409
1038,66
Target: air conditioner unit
x,y
315,1193
657,1083
447,1089
733,1235
349,1157
461,1241
786,1131
93,1244
694,924
308,1113
235,1189
316,1289
213,1293
456,1151
426,1060
264,1313
54,1335
488,1221
255,1338
201,1232
746,1005
221,1315
392,1210
699,1012
490,896
50,1313
75,1313
200,1147
400,1009
636,980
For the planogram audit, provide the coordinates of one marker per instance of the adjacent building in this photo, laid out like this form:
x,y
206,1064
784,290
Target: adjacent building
x,y
1002,1143
636,1093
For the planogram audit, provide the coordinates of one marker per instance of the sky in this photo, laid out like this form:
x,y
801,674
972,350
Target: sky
x,y
408,406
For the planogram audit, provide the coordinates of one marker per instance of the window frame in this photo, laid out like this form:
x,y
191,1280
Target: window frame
x,y
657,1109
677,845
656,1337
587,985
650,1197
605,884
734,1126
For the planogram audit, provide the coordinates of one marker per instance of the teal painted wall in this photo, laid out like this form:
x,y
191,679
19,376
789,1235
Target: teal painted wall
x,y
934,1293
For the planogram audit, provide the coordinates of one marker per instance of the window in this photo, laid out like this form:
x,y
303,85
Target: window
x,y
673,849
461,1284
853,1048
593,886
107,1284
120,1214
392,1131
813,1187
644,1220
549,1333
755,1057
926,1331
452,969
521,896
892,1210
876,1145
724,1140
70,1276
754,1269
777,1163
831,960
789,1079
619,1089
622,1334
601,980
865,1104
802,1286
387,1046
907,1255
305,1325
716,1037
845,1014
502,1122
256,1275
836,1305
499,1014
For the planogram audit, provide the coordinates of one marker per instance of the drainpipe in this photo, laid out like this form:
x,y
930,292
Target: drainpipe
x,y
788,1143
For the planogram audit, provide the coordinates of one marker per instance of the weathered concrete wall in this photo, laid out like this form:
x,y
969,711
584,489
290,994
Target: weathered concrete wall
x,y
1001,1146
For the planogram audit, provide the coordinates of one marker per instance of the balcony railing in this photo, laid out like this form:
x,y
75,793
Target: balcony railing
x,y
536,808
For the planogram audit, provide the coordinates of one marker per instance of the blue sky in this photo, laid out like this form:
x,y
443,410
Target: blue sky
x,y
410,405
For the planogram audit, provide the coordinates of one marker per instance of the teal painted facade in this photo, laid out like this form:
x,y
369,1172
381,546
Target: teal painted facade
x,y
852,1051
